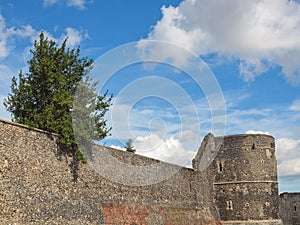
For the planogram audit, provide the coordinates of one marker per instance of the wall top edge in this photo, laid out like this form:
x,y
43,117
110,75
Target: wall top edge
x,y
290,193
27,127
245,135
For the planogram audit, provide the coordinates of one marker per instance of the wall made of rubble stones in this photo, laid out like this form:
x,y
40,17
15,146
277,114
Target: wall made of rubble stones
x,y
290,208
245,179
36,187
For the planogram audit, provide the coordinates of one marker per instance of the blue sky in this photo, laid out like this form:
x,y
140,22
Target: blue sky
x,y
251,49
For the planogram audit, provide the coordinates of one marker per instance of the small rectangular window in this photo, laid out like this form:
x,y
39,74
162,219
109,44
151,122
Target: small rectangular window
x,y
220,166
295,208
229,205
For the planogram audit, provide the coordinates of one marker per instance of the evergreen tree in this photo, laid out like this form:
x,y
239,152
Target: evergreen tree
x,y
88,115
43,97
129,147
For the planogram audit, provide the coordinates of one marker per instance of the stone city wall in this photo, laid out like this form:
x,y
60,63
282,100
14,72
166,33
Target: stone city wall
x,y
244,172
36,187
290,208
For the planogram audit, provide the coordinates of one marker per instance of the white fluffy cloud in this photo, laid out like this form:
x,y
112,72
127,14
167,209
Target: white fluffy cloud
x,y
79,4
8,33
257,132
169,150
74,36
158,132
117,147
259,33
288,155
295,105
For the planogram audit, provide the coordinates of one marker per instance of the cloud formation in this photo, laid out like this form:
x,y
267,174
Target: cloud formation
x,y
295,105
74,36
169,150
79,4
9,34
257,132
288,155
258,34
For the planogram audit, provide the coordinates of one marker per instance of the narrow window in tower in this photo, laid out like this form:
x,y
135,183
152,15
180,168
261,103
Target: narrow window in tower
x,y
295,208
253,146
220,166
229,205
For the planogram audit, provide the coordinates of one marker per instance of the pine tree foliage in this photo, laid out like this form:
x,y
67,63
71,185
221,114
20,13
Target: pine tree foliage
x,y
43,98
129,146
88,115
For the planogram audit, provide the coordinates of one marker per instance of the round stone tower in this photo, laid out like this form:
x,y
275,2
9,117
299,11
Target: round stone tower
x,y
244,174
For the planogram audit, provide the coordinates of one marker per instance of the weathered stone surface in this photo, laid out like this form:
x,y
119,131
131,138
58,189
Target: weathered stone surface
x,y
244,174
36,183
253,222
290,208
36,187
